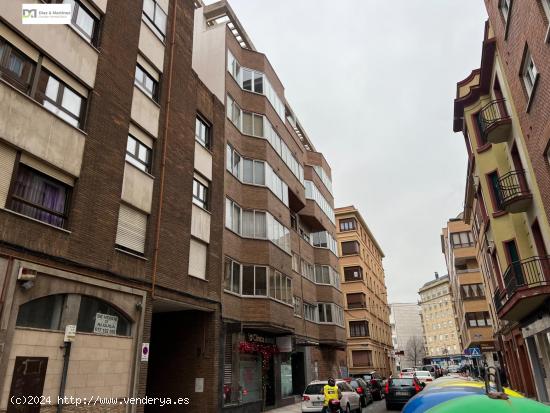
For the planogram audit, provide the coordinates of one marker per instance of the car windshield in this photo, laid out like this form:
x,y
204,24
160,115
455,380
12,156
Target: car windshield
x,y
401,382
423,373
314,389
367,376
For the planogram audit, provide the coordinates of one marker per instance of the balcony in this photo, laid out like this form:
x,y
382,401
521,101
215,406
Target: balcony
x,y
526,287
494,123
515,195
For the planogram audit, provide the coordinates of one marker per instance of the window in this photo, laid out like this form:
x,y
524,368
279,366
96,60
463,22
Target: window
x,y
254,280
310,312
39,196
505,6
495,190
324,177
462,239
147,83
359,328
330,313
256,224
308,270
472,291
349,247
253,124
324,239
348,224
138,154
44,312
361,358
60,99
356,300
15,67
97,316
84,21
200,192
131,230
353,273
232,276
252,80
198,252
156,16
325,274
479,319
312,192
529,73
203,133
296,262
297,302
546,8
280,287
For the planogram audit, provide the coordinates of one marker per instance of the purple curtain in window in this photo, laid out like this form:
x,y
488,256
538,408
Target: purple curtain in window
x,y
35,196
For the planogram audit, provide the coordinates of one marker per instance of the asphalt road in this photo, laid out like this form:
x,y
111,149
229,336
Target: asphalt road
x,y
375,407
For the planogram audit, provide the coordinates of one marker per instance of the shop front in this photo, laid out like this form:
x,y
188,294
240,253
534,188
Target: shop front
x,y
261,371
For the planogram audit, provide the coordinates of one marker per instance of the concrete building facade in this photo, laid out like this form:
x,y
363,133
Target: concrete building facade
x,y
474,320
501,109
406,328
104,230
282,304
439,321
369,345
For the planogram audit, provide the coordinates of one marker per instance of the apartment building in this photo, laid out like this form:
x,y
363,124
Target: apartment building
x,y
502,109
111,207
369,345
474,320
282,306
438,321
406,330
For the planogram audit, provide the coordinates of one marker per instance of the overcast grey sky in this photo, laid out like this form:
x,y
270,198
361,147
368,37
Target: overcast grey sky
x,y
373,83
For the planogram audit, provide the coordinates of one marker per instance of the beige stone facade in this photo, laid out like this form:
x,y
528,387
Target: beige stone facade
x,y
366,312
468,287
438,318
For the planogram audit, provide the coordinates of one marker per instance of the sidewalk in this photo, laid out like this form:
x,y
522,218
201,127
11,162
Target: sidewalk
x,y
293,408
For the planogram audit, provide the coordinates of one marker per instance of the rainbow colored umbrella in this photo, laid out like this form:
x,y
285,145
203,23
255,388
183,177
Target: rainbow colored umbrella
x,y
454,395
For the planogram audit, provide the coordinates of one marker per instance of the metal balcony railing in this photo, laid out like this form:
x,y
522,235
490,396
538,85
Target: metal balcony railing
x,y
531,272
512,185
491,115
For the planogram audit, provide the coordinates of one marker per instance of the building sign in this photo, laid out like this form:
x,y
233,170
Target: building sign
x,y
70,333
199,384
145,352
37,13
257,338
105,324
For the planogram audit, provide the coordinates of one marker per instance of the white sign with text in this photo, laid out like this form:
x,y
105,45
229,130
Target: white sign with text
x,y
105,324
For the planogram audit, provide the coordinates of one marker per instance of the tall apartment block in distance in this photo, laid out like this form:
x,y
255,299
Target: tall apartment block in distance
x,y
111,207
407,335
281,289
364,287
502,109
439,323
474,319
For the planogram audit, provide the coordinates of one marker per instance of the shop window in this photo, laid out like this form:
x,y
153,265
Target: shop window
x,y
286,378
99,317
42,313
250,372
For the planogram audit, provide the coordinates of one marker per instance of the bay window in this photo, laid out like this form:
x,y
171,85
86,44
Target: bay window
x,y
330,313
254,280
310,312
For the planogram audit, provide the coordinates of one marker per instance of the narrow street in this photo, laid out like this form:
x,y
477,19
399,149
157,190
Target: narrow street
x,y
375,407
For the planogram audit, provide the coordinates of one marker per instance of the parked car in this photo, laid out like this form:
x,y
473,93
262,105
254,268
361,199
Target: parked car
x,y
407,373
376,383
399,391
363,389
453,369
434,369
313,397
423,376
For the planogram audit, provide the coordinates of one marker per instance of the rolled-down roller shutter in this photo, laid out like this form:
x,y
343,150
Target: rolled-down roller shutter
x,y
132,227
7,160
197,259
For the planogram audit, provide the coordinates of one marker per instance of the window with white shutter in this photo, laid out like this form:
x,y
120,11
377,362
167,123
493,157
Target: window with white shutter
x,y
197,259
132,228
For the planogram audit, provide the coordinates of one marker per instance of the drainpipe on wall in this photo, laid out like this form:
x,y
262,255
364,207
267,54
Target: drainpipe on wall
x,y
66,356
164,148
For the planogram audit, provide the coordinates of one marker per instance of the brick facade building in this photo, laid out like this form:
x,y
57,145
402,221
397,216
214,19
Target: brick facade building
x,y
102,222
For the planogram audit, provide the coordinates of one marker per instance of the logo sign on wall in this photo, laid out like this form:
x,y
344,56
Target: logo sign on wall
x,y
46,13
145,352
105,324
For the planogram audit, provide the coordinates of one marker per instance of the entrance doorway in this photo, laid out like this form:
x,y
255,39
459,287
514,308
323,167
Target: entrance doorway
x,y
29,374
